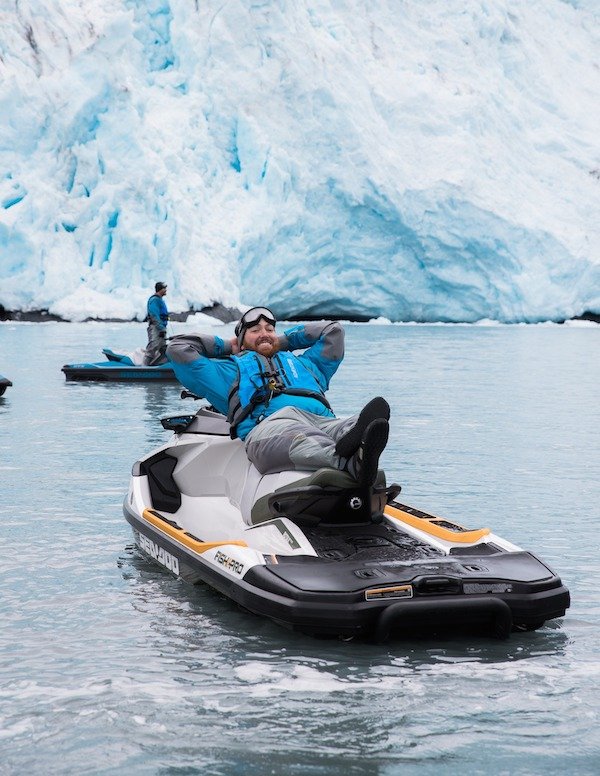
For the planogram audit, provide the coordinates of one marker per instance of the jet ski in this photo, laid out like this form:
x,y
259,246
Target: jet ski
x,y
123,367
4,384
320,554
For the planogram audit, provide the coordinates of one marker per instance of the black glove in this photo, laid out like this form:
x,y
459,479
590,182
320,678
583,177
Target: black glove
x,y
162,333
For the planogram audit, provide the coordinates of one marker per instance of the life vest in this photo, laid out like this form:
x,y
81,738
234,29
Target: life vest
x,y
261,378
163,311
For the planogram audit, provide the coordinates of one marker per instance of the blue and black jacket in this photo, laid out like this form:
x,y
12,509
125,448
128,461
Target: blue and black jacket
x,y
158,315
248,387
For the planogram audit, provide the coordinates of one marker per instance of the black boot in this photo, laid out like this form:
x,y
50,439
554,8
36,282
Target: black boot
x,y
364,465
348,444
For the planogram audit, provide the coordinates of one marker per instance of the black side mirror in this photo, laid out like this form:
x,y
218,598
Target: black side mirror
x,y
177,423
189,395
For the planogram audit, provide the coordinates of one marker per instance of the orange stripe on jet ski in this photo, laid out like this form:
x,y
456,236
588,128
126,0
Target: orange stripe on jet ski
x,y
432,526
179,534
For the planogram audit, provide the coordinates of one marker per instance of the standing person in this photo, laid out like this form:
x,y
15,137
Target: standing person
x,y
158,317
275,400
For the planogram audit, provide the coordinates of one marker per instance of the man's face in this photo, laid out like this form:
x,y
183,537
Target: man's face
x,y
162,292
262,338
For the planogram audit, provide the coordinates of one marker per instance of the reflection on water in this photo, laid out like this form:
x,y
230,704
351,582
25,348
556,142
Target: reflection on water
x,y
158,399
156,589
106,659
403,702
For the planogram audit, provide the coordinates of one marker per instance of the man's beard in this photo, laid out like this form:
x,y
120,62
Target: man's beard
x,y
266,347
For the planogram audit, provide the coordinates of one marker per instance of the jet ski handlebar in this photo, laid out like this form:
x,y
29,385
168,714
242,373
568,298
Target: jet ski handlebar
x,y
189,395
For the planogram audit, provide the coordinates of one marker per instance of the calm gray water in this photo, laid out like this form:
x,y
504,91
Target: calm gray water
x,y
110,666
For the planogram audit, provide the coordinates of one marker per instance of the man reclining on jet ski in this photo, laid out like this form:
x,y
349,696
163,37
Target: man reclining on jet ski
x,y
275,400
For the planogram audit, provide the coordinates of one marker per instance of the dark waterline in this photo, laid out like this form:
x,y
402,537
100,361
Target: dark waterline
x,y
229,314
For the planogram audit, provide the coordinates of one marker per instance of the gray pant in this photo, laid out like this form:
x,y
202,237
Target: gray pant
x,y
157,345
294,439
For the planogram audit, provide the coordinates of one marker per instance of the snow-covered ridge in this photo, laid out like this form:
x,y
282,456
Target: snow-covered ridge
x,y
429,162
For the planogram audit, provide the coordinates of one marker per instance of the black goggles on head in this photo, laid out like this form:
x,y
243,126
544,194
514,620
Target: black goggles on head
x,y
252,317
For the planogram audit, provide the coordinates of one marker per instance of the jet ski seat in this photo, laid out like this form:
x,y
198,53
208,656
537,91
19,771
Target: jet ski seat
x,y
220,468
327,497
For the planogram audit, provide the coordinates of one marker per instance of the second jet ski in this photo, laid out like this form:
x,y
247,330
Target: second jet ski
x,y
4,384
122,367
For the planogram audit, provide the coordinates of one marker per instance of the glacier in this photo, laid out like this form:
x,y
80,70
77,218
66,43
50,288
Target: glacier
x,y
413,161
